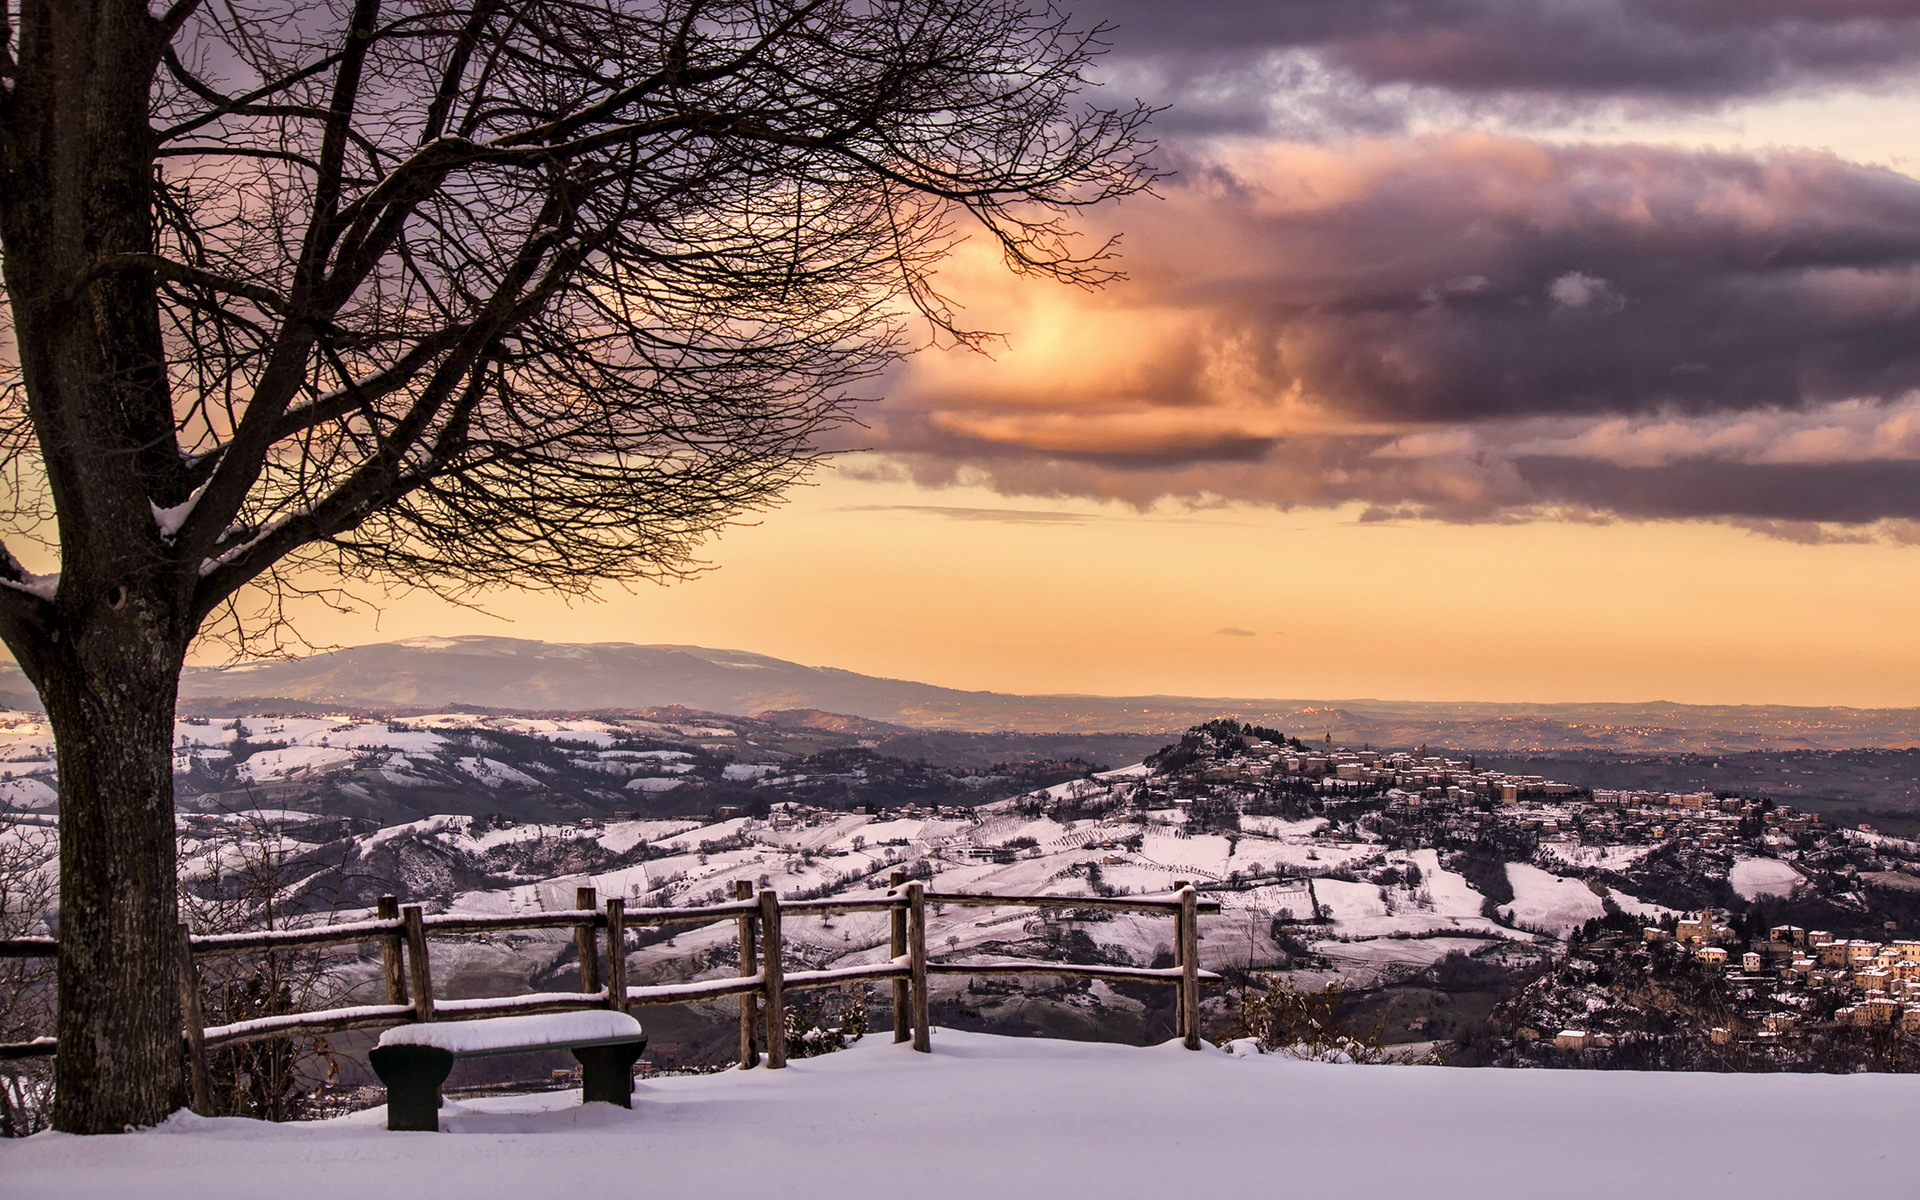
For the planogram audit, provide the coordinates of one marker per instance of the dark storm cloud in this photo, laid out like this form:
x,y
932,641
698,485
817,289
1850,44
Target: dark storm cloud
x,y
1456,324
1472,277
1843,493
1233,63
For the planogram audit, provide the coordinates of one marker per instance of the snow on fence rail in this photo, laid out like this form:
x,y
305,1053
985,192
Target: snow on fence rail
x,y
407,966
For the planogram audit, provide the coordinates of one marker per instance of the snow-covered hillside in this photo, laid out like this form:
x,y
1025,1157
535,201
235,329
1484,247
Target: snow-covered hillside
x,y
542,767
1329,898
1317,869
1031,1118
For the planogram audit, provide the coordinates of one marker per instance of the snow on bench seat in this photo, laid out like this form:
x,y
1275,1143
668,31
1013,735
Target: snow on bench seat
x,y
492,1034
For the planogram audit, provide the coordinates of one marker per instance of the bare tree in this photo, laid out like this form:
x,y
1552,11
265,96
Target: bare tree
x,y
248,875
527,292
26,984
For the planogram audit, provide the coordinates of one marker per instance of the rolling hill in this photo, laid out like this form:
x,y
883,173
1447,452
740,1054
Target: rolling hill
x,y
433,673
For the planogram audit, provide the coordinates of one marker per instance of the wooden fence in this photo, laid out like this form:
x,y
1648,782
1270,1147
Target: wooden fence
x,y
402,933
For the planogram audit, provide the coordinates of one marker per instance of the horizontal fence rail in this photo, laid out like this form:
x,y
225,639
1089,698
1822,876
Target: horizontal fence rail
x,y
407,969
1132,904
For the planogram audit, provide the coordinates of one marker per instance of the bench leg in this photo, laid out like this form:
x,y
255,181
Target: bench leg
x,y
413,1075
606,1072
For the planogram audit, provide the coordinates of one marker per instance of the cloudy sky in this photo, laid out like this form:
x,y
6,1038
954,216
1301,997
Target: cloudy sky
x,y
1474,349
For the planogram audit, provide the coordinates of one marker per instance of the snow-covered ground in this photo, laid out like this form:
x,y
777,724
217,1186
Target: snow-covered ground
x,y
1757,877
1546,901
987,1117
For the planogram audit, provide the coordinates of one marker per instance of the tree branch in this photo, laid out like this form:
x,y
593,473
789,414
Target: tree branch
x,y
26,606
520,291
247,104
379,481
178,15
166,268
235,152
234,475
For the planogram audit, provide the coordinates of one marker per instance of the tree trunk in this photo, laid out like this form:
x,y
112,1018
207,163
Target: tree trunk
x,y
105,650
111,705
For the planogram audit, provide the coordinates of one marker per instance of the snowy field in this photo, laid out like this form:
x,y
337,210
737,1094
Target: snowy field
x,y
988,1117
1546,901
1757,877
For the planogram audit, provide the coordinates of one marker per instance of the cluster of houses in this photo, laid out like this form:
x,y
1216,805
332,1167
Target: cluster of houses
x,y
1881,979
1410,779
1415,782
792,814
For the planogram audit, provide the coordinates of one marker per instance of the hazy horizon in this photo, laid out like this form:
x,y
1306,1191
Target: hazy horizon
x,y
199,676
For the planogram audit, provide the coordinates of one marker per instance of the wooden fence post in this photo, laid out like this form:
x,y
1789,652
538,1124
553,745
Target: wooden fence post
x,y
1190,964
392,967
586,900
749,964
617,954
1179,962
194,1024
917,965
897,920
770,951
418,969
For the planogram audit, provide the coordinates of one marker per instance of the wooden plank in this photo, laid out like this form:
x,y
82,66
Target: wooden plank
x,y
348,933
453,923
326,1021
357,932
714,989
375,1016
32,1048
776,1004
827,908
29,947
584,943
1170,976
1190,966
749,966
917,966
1101,903
194,1025
897,924
835,976
617,954
419,970
703,914
1179,949
463,1010
690,993
392,961
361,932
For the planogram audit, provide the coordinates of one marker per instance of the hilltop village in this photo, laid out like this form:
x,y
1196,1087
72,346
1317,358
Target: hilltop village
x,y
1651,980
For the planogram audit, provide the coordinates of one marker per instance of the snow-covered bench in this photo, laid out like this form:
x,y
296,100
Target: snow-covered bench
x,y
414,1060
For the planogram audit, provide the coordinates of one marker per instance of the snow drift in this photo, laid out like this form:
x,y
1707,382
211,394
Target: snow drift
x,y
988,1117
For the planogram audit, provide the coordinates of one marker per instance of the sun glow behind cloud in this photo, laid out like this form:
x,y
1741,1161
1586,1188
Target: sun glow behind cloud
x,y
1431,324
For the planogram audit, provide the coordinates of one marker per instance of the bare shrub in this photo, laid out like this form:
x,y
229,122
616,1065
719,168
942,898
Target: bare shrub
x,y
27,887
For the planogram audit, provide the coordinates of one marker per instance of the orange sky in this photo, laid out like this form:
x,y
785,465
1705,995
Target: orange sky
x,y
970,586
890,579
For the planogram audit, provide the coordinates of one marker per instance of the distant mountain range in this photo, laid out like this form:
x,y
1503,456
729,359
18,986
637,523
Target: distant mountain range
x,y
423,674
